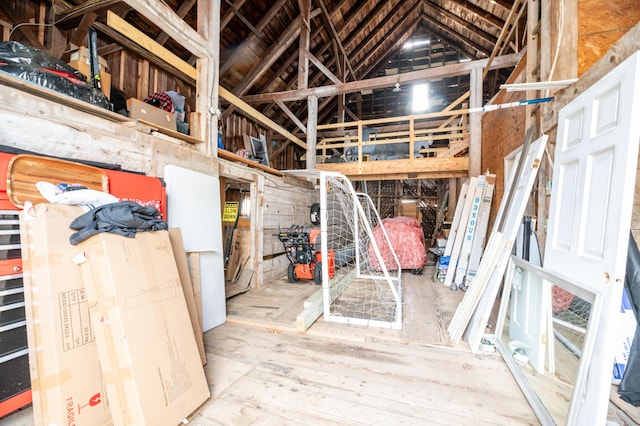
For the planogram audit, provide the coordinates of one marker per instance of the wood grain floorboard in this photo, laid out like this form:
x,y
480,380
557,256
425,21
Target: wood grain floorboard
x,y
261,370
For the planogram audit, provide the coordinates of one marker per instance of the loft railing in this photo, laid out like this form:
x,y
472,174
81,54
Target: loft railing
x,y
443,133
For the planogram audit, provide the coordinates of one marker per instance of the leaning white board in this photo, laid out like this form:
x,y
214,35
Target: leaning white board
x,y
193,205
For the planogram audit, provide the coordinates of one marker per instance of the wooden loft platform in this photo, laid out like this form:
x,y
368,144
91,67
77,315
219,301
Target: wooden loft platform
x,y
410,168
425,146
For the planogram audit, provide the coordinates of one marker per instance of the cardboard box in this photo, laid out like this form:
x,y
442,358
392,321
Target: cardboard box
x,y
139,110
80,60
177,246
66,382
149,359
82,54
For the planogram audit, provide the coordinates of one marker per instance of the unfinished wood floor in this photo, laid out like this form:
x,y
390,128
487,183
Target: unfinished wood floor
x,y
262,371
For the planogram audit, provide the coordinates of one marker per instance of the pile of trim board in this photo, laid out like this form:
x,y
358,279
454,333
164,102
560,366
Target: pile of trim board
x,y
468,232
108,326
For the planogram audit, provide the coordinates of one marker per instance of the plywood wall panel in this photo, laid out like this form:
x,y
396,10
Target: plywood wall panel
x,y
600,25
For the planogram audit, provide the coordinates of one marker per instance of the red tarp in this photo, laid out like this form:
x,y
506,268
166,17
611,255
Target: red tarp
x,y
407,240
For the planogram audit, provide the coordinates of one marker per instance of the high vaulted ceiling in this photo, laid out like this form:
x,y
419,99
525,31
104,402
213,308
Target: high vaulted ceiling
x,y
261,43
355,40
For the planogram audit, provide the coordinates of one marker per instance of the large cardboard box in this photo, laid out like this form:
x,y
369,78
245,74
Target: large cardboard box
x,y
139,110
66,382
148,354
80,60
177,246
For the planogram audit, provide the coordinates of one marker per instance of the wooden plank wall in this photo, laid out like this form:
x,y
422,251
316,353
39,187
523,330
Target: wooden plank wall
x,y
40,125
284,205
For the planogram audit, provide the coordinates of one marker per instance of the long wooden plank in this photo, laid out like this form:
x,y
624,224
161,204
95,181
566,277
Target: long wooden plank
x,y
457,216
164,17
256,115
138,37
314,306
387,81
423,168
25,170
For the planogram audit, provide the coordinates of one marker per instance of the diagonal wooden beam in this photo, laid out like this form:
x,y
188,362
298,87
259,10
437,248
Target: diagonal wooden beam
x,y
323,69
291,115
255,114
163,16
251,38
79,35
332,27
270,56
240,16
230,13
182,11
128,30
145,54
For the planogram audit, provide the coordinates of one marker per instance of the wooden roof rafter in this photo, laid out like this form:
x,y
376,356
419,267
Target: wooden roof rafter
x,y
482,14
471,48
396,33
253,37
462,23
383,30
405,28
363,25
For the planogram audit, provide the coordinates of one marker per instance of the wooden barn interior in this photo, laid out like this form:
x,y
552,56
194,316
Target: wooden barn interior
x,y
272,105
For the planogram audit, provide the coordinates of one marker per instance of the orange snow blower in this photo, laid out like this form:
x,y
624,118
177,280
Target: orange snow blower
x,y
303,251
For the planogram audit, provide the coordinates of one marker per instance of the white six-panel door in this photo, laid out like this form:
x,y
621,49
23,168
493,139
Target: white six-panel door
x,y
590,212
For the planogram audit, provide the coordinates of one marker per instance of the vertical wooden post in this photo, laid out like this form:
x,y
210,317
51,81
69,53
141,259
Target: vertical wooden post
x,y
207,76
257,229
303,50
475,122
453,198
312,131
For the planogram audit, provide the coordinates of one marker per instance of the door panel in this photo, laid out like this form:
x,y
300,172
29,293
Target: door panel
x,y
590,213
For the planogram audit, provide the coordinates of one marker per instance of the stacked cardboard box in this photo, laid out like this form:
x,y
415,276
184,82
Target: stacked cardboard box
x,y
66,382
107,316
149,359
81,60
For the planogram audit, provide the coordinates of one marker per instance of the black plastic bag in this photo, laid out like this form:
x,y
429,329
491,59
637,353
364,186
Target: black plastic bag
x,y
46,70
629,389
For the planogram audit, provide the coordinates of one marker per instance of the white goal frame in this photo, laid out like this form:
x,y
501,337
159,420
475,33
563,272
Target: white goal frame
x,y
384,284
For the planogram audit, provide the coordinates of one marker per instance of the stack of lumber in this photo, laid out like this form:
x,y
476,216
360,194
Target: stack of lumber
x,y
468,233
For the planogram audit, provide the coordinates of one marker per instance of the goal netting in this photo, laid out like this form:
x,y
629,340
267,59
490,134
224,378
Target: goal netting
x,y
364,287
